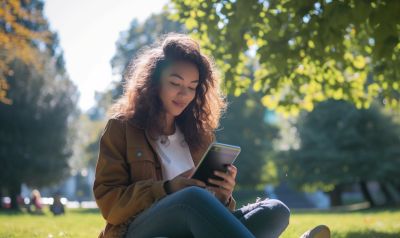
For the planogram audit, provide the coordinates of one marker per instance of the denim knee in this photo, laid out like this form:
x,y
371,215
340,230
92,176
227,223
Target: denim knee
x,y
194,195
266,218
280,211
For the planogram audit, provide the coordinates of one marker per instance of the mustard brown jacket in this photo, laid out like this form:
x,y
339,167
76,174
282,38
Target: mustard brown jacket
x,y
128,175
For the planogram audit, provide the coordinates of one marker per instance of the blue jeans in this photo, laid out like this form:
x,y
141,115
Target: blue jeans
x,y
195,212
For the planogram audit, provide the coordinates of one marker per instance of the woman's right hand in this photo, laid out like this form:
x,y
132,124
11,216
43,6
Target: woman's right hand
x,y
182,181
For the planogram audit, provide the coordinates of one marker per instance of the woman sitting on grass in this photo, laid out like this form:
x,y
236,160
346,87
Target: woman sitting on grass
x,y
158,132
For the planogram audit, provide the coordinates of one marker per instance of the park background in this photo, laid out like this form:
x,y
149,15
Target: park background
x,y
313,90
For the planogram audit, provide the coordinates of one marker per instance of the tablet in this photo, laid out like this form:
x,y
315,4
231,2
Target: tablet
x,y
217,157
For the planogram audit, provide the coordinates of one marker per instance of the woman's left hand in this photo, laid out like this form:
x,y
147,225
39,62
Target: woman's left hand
x,y
224,188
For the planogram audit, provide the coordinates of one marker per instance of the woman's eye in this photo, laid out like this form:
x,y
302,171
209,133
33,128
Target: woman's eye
x,y
192,89
174,84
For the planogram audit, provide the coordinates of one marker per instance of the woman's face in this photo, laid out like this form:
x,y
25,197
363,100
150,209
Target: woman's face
x,y
178,86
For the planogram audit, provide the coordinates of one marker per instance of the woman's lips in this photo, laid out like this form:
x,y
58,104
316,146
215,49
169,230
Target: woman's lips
x,y
179,104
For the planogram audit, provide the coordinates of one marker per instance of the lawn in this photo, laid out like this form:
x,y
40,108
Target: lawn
x,y
372,223
76,223
382,223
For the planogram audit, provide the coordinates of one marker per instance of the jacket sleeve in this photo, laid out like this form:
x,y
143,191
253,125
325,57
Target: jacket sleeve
x,y
118,198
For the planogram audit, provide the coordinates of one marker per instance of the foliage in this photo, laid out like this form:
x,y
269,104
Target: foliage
x,y
308,51
23,35
244,124
35,130
340,144
86,144
89,129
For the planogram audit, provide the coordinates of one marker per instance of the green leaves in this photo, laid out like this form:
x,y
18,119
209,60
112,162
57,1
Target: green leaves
x,y
341,144
35,129
244,124
20,37
307,51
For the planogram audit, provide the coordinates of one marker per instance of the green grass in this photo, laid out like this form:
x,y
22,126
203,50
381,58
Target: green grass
x,y
372,223
382,223
76,223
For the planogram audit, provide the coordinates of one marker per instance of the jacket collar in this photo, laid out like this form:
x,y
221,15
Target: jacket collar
x,y
196,154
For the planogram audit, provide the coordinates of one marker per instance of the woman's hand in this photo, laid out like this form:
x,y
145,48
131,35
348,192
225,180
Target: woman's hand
x,y
182,181
224,188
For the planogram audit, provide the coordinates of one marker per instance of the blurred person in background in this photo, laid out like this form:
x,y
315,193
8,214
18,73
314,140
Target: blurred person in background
x,y
57,208
35,206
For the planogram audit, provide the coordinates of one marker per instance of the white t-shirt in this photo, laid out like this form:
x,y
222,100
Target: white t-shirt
x,y
175,155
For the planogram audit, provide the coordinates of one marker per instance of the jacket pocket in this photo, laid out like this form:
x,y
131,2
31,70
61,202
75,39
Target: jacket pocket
x,y
141,163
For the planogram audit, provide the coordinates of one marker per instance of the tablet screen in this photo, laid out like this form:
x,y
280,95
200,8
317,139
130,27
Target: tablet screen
x,y
217,157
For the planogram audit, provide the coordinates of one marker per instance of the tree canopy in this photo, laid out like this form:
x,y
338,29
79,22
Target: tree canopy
x,y
244,124
340,144
35,127
23,34
307,51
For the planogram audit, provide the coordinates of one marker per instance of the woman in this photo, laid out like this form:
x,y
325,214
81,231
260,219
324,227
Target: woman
x,y
159,130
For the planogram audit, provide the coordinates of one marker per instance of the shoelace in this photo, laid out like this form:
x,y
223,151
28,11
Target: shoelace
x,y
251,206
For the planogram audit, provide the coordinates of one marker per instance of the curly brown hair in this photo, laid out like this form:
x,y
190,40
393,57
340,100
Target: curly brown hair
x,y
142,105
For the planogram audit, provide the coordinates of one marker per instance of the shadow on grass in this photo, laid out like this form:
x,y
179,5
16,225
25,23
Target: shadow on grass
x,y
370,234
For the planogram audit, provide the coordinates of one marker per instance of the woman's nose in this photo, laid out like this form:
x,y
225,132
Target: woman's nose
x,y
183,91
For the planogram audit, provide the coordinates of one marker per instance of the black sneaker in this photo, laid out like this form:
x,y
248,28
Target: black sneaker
x,y
320,231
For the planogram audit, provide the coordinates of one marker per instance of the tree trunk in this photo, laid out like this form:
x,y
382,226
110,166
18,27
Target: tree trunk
x,y
336,196
366,193
14,191
388,195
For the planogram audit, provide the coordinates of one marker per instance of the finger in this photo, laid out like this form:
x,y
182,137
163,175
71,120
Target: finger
x,y
219,192
228,183
226,177
208,188
221,174
232,170
216,182
196,182
222,184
